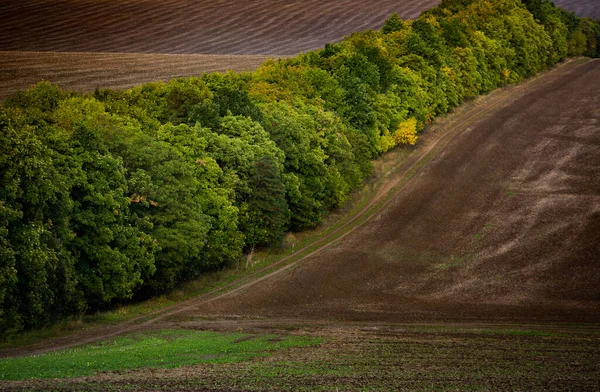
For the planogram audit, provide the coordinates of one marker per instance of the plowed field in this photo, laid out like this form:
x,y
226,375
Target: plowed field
x,y
583,8
470,277
223,35
494,219
96,30
266,27
86,71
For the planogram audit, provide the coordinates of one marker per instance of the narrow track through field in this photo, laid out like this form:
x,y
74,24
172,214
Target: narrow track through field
x,y
228,300
501,225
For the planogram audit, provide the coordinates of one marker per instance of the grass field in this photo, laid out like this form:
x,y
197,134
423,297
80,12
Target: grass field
x,y
155,349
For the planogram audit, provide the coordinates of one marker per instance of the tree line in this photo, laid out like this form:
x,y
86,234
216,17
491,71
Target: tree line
x,y
114,193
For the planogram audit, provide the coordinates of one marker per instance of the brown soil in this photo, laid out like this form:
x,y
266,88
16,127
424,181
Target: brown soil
x,y
87,71
380,357
503,224
583,8
34,34
493,218
266,27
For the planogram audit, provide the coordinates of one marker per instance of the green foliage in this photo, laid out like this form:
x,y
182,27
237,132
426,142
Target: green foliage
x,y
319,162
106,195
253,166
158,349
68,234
392,24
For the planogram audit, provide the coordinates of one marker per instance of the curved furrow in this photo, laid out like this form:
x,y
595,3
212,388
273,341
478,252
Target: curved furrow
x,y
175,26
254,36
86,71
261,26
590,9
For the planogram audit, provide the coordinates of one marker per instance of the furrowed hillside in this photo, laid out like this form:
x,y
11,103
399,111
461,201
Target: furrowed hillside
x,y
114,193
83,45
59,41
84,72
261,27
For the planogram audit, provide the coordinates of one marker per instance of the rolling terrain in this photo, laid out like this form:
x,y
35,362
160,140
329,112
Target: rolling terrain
x,y
99,34
502,225
583,8
478,270
474,266
263,27
119,44
87,71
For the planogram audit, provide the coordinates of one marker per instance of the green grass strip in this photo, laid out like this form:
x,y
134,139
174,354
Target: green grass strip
x,y
155,349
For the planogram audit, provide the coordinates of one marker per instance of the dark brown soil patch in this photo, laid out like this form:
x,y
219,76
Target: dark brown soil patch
x,y
245,339
270,27
583,8
266,27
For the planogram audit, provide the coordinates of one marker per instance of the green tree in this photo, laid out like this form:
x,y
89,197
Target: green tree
x,y
392,24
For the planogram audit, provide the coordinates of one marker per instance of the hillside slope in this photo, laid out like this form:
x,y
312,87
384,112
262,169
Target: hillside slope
x,y
503,224
269,27
87,71
583,8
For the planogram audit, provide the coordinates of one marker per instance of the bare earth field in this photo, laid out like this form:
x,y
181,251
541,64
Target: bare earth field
x,y
253,30
87,71
266,27
224,35
479,272
583,8
479,269
502,225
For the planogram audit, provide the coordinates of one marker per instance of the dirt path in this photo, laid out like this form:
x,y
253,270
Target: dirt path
x,y
501,225
260,294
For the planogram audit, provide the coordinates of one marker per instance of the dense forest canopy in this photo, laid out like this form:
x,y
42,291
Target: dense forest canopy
x,y
106,194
